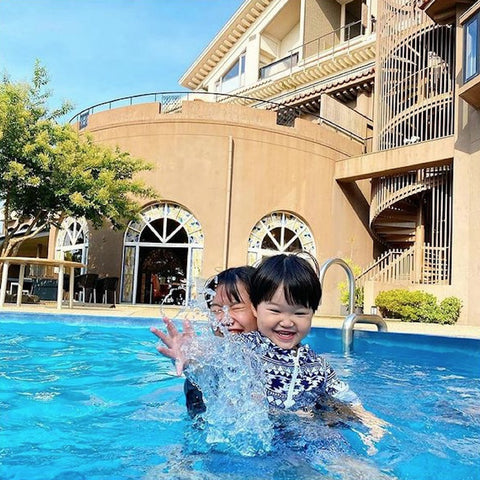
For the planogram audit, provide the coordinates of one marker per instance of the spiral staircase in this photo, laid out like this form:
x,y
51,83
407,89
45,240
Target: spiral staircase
x,y
410,212
409,217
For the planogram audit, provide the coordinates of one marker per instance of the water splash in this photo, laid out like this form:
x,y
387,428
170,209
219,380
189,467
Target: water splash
x,y
236,418
237,414
196,307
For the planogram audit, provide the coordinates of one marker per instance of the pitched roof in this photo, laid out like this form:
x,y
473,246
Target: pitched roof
x,y
233,31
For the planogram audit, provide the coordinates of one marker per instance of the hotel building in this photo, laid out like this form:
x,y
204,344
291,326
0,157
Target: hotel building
x,y
348,129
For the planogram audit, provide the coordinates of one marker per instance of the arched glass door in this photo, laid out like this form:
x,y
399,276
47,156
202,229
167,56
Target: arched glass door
x,y
162,255
72,241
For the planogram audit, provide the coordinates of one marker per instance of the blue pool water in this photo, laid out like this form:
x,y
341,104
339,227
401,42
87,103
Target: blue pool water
x,y
89,398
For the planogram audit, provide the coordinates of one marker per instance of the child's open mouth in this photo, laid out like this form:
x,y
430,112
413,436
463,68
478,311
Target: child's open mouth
x,y
285,334
235,330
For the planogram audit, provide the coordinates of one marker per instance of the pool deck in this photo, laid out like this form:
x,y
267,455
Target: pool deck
x,y
153,311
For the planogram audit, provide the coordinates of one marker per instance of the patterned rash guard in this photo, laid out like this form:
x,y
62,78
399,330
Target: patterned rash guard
x,y
298,378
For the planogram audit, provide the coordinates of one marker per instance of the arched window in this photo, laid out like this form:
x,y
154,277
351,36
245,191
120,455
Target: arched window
x,y
162,255
72,240
279,232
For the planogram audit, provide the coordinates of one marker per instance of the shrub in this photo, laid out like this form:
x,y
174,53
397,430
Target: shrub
x,y
418,306
450,308
345,296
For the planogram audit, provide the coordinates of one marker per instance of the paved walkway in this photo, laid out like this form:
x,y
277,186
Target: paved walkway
x,y
154,311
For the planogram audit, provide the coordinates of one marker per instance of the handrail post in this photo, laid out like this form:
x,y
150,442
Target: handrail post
x,y
352,319
351,278
3,288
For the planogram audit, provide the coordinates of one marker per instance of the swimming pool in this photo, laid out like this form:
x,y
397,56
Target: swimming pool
x,y
89,398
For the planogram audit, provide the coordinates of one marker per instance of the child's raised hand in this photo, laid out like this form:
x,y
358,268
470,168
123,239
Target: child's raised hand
x,y
174,341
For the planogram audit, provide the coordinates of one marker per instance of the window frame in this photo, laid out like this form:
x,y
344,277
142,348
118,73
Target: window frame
x,y
474,19
239,64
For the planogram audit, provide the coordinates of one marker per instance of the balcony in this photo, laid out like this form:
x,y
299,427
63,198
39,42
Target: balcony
x,y
286,63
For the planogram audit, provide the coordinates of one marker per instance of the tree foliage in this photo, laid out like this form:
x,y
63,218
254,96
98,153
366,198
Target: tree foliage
x,y
49,172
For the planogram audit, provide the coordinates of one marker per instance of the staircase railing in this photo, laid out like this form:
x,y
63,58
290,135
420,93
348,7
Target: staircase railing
x,y
435,268
399,265
392,266
377,266
387,191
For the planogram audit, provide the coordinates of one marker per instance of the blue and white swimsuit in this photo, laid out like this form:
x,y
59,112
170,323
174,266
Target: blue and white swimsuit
x,y
296,379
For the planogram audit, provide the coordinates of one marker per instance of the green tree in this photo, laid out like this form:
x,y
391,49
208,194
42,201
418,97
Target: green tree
x,y
49,172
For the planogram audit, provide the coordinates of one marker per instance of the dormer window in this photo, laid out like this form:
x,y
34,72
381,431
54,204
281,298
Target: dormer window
x,y
234,78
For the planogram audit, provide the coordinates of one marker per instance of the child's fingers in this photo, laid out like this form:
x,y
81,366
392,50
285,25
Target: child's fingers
x,y
171,328
167,352
166,339
156,331
187,328
161,335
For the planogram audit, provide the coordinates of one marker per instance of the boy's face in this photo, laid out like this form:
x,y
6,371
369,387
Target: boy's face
x,y
285,325
236,316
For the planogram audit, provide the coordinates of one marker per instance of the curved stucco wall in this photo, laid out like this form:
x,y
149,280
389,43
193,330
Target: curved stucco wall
x,y
227,161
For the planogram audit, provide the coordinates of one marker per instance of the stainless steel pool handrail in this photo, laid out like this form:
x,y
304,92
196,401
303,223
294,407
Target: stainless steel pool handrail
x,y
352,319
351,278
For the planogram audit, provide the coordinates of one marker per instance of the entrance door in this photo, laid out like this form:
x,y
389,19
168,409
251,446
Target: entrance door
x,y
162,256
162,274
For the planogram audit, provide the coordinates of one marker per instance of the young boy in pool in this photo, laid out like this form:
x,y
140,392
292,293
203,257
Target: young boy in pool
x,y
285,294
230,306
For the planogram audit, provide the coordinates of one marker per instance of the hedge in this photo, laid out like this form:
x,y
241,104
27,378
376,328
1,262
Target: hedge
x,y
418,306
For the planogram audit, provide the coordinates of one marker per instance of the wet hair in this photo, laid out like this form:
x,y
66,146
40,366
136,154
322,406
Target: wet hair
x,y
230,278
301,284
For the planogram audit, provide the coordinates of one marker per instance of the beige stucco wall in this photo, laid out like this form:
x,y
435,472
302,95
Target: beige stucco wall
x,y
320,18
466,198
273,168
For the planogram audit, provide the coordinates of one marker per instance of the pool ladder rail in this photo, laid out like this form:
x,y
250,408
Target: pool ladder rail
x,y
352,318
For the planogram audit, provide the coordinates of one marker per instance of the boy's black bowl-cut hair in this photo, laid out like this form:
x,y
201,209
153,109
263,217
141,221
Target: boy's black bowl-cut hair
x,y
301,284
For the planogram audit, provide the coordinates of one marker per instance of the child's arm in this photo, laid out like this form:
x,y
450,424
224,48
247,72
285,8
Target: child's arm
x,y
348,404
375,425
174,342
357,411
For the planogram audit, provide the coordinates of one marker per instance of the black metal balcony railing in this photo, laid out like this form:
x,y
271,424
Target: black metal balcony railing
x,y
317,47
171,102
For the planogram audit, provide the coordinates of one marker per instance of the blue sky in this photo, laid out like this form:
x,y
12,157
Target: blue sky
x,y
98,50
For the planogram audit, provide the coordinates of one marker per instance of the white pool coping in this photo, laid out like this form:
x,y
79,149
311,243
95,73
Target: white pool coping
x,y
154,311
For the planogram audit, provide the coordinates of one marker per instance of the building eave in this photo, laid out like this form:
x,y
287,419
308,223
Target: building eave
x,y
224,41
443,12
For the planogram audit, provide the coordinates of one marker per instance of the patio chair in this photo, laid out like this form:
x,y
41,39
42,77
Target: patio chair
x,y
86,285
106,285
